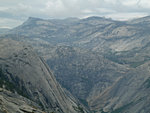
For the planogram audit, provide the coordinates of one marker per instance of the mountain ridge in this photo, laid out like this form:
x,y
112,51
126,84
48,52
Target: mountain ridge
x,y
91,57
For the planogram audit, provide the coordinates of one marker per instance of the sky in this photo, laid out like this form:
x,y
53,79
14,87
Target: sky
x,y
15,12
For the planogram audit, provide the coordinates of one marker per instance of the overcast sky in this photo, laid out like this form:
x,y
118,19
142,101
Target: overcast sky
x,y
14,12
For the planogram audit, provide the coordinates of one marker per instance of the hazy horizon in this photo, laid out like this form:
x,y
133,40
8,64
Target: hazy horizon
x,y
13,13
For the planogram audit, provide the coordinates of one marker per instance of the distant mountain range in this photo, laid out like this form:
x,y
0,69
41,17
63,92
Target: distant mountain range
x,y
102,62
4,30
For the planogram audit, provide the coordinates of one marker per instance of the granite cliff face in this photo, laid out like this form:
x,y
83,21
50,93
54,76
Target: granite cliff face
x,y
31,77
14,103
104,63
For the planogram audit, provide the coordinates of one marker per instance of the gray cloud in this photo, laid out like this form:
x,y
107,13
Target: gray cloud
x,y
13,12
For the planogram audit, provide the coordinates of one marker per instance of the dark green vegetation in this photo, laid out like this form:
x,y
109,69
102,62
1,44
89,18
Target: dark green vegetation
x,y
79,109
84,102
13,87
121,109
147,83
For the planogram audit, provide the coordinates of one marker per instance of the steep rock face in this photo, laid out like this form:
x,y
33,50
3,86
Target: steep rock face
x,y
130,94
32,75
14,103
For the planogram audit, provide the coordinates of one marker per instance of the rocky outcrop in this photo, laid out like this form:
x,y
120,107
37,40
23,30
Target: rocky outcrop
x,y
31,75
14,103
